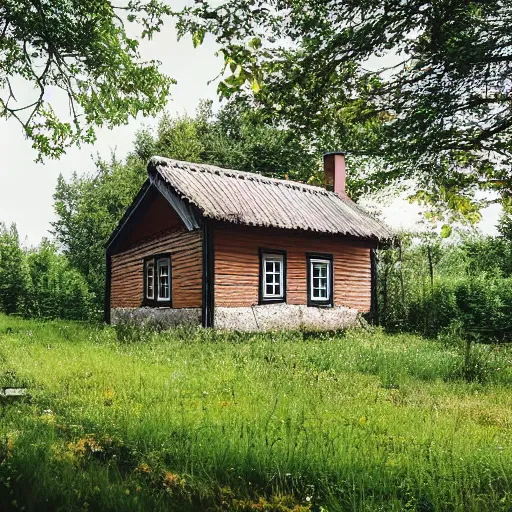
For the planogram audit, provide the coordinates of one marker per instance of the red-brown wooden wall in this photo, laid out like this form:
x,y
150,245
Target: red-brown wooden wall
x,y
158,231
237,265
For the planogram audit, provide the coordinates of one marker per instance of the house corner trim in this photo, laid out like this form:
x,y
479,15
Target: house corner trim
x,y
374,301
208,302
108,281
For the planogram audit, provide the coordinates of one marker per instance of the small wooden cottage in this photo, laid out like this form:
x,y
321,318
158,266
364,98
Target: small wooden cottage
x,y
236,250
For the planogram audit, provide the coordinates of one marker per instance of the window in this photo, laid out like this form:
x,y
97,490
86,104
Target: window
x,y
150,280
272,276
320,279
157,281
164,279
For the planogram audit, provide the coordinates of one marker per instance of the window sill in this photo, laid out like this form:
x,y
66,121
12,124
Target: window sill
x,y
156,305
326,305
264,302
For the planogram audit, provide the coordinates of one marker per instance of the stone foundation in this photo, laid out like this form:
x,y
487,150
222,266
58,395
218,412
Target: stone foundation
x,y
161,317
256,318
284,316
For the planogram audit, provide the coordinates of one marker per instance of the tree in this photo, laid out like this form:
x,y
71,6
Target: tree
x,y
57,290
237,137
14,279
244,138
505,224
438,112
82,49
88,209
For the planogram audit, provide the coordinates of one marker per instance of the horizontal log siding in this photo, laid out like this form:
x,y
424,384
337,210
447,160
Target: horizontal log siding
x,y
237,266
127,286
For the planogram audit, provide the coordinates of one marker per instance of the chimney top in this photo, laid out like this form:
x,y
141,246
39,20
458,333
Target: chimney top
x,y
335,153
334,172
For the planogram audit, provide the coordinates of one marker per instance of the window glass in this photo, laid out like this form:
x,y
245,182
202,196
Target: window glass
x,y
273,276
320,279
150,277
164,278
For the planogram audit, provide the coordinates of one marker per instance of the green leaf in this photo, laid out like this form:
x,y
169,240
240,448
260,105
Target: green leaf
x,y
446,231
449,138
103,76
198,38
255,86
224,90
255,43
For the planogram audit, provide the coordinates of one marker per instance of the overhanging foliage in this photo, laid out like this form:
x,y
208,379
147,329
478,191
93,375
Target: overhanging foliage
x,y
81,49
425,86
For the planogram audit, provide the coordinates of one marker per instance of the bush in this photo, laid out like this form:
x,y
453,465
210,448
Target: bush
x,y
485,306
481,307
40,282
424,287
56,290
430,315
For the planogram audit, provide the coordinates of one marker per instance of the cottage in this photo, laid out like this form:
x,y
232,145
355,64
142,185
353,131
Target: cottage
x,y
237,250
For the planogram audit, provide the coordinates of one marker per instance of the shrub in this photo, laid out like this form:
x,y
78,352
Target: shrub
x,y
424,287
431,314
481,307
484,306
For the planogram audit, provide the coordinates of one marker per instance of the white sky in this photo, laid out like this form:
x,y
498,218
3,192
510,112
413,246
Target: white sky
x,y
26,187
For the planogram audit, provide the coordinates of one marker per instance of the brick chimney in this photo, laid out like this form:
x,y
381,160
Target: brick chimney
x,y
334,171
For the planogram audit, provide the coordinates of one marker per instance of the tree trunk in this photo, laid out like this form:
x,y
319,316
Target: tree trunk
x,y
401,277
431,317
430,268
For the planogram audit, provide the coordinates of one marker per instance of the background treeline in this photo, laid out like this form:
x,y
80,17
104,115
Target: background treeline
x,y
426,284
41,282
430,285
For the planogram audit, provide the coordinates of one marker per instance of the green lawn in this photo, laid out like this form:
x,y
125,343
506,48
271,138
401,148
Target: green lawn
x,y
199,420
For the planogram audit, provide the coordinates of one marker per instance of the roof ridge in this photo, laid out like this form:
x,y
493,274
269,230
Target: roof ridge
x,y
160,160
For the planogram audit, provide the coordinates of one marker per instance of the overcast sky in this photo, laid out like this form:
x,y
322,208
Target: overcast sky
x,y
26,187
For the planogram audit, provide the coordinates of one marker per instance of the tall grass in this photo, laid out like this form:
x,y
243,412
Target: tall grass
x,y
201,420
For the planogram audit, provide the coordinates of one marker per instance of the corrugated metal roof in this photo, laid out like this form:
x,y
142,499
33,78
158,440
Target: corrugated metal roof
x,y
255,200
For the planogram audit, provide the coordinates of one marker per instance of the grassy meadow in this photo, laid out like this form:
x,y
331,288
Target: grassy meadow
x,y
202,420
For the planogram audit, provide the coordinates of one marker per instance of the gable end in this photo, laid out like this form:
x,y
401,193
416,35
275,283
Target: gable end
x,y
151,188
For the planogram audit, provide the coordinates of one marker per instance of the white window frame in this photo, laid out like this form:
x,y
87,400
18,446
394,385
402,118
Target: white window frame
x,y
163,262
148,265
272,257
328,262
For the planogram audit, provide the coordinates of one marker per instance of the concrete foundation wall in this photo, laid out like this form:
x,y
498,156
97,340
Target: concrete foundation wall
x,y
283,316
161,317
